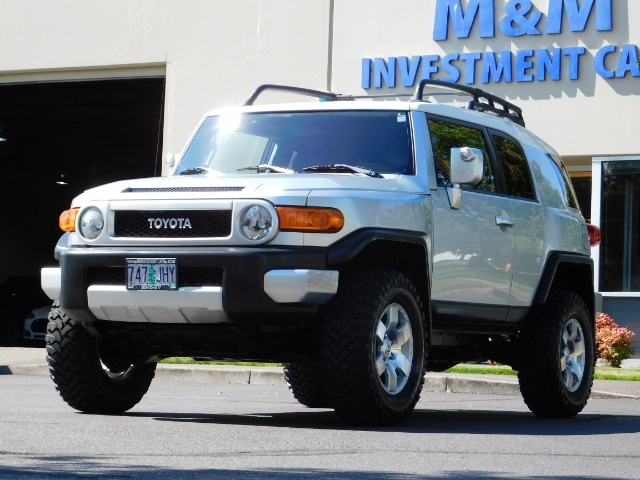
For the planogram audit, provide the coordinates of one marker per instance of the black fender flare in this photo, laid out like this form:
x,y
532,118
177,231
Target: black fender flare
x,y
350,246
555,272
348,249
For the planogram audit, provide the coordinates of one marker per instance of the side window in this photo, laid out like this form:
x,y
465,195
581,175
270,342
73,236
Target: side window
x,y
445,136
515,168
567,188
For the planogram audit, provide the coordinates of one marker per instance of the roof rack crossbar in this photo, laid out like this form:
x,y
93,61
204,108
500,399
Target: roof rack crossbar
x,y
504,109
329,96
373,97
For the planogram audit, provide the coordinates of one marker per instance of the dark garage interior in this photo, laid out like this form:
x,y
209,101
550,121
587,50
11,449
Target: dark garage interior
x,y
58,139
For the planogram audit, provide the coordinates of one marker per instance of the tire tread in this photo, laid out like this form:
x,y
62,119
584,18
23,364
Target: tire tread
x,y
351,384
539,374
303,379
76,372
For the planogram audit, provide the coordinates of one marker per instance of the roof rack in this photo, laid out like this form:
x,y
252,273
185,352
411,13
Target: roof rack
x,y
329,96
507,110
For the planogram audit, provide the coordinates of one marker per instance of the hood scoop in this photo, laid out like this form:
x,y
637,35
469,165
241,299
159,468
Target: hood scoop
x,y
181,189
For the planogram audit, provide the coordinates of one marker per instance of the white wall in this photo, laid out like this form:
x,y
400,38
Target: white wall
x,y
214,52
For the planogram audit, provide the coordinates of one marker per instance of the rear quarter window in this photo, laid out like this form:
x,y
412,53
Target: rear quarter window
x,y
569,193
548,178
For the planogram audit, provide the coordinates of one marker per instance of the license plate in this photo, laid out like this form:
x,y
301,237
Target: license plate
x,y
152,274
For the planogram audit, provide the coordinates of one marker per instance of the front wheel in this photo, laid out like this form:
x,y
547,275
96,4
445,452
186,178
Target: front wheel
x,y
557,357
80,376
373,347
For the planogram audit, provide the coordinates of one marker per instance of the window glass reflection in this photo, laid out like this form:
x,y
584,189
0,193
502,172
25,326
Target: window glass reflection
x,y
620,213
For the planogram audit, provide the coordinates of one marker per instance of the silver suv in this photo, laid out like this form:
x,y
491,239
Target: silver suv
x,y
359,242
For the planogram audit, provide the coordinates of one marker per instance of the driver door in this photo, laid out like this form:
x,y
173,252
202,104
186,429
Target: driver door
x,y
474,244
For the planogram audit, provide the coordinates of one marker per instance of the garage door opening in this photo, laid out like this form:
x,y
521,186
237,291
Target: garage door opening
x,y
57,140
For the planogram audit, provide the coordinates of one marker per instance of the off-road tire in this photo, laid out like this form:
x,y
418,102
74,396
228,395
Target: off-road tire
x,y
548,380
303,379
350,344
79,376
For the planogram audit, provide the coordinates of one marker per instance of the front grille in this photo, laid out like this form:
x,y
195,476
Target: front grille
x,y
184,189
172,223
187,276
106,276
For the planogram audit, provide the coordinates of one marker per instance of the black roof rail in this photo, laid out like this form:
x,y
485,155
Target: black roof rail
x,y
507,110
329,96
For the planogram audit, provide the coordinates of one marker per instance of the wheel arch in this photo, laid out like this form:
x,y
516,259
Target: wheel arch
x,y
566,271
406,252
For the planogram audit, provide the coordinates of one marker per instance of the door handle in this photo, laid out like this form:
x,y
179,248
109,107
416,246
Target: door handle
x,y
504,220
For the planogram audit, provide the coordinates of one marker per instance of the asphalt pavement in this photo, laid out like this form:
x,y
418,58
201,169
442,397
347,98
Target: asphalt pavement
x,y
188,430
32,361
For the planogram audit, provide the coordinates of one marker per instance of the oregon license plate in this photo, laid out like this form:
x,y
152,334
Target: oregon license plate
x,y
152,274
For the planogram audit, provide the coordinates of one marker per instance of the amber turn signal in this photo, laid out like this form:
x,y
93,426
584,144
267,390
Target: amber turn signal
x,y
309,219
67,220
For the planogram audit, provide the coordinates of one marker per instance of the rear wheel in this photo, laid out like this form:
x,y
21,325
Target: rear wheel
x,y
303,379
82,378
556,357
373,347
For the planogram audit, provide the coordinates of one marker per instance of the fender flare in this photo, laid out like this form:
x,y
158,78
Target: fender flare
x,y
550,273
349,247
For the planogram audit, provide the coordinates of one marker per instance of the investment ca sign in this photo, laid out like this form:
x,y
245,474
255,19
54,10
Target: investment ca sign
x,y
516,19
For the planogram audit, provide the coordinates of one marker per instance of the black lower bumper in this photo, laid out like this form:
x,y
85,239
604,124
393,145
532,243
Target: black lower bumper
x,y
243,269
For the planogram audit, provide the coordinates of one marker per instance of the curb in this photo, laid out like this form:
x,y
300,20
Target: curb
x,y
461,384
434,382
612,396
222,374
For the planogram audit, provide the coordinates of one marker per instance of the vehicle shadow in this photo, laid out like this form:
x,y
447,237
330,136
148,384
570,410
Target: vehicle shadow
x,y
451,422
78,467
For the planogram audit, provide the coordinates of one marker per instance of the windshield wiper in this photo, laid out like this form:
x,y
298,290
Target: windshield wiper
x,y
342,168
198,171
263,168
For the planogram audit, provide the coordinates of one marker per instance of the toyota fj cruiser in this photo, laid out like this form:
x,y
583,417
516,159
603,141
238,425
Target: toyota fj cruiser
x,y
361,243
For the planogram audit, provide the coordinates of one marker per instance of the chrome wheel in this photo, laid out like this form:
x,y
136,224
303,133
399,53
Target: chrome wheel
x,y
393,349
572,355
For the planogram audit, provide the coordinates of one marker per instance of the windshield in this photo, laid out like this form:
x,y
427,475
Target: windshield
x,y
374,140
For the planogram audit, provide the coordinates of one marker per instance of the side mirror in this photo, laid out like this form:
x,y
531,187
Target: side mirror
x,y
170,160
466,168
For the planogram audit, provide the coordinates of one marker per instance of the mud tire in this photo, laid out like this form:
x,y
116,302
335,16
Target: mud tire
x,y
357,377
81,378
556,360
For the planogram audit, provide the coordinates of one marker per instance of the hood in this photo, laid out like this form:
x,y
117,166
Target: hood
x,y
236,186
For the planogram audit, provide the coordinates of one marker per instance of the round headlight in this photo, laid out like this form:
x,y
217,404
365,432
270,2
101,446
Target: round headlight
x,y
91,223
255,222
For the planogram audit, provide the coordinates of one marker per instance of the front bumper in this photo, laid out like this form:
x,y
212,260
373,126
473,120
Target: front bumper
x,y
258,285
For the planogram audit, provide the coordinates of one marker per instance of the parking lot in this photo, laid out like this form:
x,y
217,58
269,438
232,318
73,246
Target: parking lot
x,y
199,429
